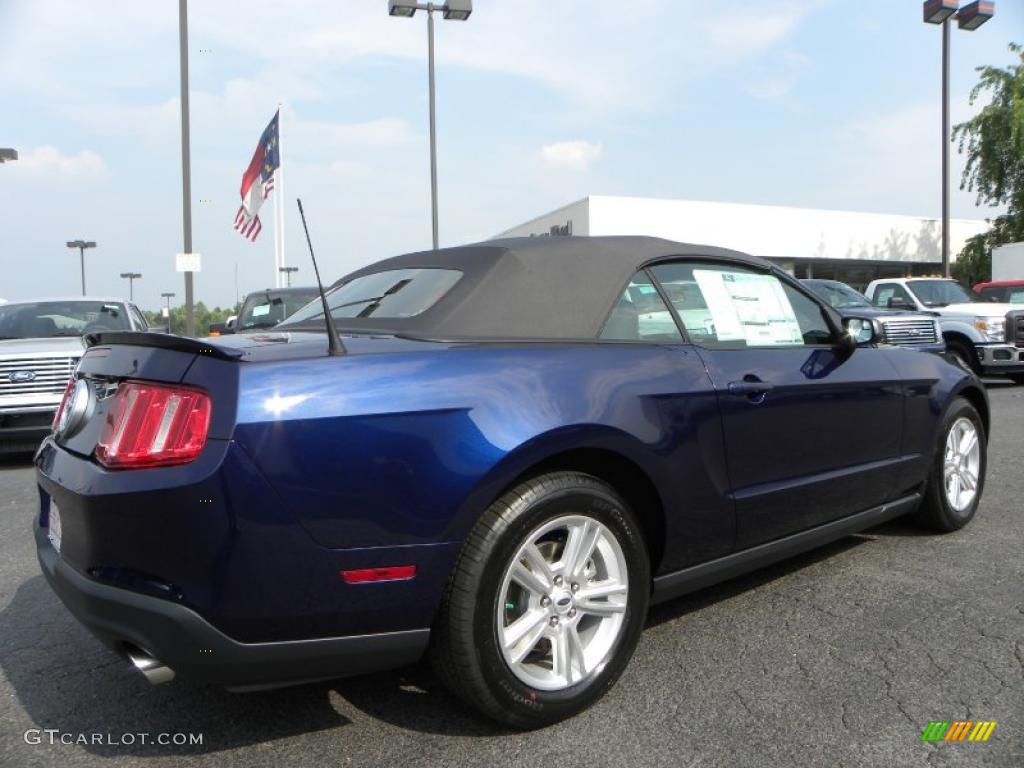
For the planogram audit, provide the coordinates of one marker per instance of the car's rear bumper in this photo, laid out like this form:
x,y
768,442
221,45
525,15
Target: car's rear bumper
x,y
182,640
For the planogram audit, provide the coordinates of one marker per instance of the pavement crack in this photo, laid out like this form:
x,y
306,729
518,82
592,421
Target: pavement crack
x,y
743,703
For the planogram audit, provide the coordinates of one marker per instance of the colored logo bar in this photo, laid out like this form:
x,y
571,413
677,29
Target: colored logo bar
x,y
958,730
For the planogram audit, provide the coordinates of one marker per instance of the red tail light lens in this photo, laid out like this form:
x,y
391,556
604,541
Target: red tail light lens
x,y
153,425
63,404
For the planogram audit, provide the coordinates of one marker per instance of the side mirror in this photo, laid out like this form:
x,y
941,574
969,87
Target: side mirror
x,y
861,332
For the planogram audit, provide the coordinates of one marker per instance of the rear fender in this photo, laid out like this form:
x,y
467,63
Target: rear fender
x,y
537,451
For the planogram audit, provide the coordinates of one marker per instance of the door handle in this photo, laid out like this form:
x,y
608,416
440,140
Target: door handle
x,y
755,390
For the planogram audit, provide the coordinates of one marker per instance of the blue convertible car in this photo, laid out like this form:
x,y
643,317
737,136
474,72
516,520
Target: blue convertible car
x,y
523,445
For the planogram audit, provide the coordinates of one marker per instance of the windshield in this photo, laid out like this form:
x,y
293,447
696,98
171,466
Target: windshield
x,y
50,319
394,293
266,309
939,293
838,295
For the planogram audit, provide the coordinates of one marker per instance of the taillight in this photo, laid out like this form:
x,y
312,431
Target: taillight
x,y
151,425
63,404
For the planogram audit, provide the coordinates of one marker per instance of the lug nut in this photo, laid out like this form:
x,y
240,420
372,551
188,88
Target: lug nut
x,y
575,587
558,581
554,621
545,601
572,612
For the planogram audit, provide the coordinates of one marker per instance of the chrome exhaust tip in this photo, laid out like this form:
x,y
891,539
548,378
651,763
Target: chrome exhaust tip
x,y
153,670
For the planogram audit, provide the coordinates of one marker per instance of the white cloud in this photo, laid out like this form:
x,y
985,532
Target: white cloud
x,y
50,164
571,155
545,42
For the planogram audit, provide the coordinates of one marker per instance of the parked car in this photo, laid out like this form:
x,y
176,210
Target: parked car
x,y
40,344
902,328
265,309
1005,291
502,467
987,338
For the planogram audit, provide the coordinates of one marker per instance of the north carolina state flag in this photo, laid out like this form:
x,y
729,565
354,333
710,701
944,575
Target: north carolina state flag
x,y
258,181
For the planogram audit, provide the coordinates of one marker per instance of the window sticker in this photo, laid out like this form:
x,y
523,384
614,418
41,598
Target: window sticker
x,y
262,309
748,307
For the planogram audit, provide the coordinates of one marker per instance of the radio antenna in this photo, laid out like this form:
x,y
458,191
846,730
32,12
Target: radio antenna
x,y
334,345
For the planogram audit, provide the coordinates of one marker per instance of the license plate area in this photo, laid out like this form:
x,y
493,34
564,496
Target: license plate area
x,y
53,526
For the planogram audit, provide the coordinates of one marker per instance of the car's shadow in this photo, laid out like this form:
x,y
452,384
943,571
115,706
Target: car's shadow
x,y
64,679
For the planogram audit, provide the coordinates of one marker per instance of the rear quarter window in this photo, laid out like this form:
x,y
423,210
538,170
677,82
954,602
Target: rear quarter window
x,y
391,294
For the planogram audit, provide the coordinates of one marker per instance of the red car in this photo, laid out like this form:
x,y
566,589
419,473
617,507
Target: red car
x,y
1004,291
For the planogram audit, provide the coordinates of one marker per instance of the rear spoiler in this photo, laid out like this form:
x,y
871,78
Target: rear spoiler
x,y
161,341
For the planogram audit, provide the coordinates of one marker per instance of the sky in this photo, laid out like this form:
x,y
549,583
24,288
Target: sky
x,y
817,103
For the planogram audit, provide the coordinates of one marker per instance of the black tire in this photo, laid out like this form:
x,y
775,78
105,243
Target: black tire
x,y
1017,378
464,641
965,355
935,511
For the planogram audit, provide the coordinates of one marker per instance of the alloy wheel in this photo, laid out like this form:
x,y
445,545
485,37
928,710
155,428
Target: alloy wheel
x,y
562,603
962,464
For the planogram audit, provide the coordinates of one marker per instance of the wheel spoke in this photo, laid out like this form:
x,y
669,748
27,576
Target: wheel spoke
x,y
596,589
600,607
522,626
579,547
954,491
528,644
968,442
576,650
529,579
538,564
561,661
968,479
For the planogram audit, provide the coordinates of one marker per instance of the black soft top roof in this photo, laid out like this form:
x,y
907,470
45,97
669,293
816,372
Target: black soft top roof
x,y
531,287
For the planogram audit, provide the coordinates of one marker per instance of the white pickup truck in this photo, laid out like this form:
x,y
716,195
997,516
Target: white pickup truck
x,y
40,344
988,338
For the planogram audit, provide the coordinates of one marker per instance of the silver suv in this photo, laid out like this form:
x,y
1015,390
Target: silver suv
x,y
40,344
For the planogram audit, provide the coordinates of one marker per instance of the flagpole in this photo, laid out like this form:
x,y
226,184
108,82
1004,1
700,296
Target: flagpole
x,y
279,211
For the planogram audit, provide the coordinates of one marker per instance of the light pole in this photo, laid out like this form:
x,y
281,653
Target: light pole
x,y
288,274
458,10
81,245
186,163
6,155
168,296
131,277
970,17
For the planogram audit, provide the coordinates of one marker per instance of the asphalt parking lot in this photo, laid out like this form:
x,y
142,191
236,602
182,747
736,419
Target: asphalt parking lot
x,y
837,658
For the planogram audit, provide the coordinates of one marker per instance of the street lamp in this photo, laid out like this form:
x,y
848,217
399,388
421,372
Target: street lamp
x,y
168,297
970,17
457,10
288,274
132,277
81,245
6,155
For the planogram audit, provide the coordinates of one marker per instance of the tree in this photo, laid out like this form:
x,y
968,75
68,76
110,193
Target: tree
x,y
994,142
204,317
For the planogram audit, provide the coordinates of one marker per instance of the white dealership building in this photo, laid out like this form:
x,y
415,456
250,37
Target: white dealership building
x,y
840,245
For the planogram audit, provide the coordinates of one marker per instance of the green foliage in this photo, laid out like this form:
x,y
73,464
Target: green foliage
x,y
994,142
204,318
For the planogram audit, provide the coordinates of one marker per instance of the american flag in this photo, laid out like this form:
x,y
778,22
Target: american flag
x,y
258,181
